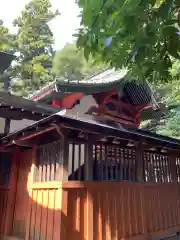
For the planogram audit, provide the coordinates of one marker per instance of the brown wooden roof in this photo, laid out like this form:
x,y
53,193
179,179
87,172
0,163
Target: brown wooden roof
x,y
17,108
92,127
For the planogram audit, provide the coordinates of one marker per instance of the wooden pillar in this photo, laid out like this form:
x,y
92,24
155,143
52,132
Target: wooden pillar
x,y
173,170
88,161
139,163
12,192
7,126
88,228
29,186
63,193
64,159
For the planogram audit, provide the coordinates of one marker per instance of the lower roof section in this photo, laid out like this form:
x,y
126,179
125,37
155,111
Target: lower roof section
x,y
17,108
108,129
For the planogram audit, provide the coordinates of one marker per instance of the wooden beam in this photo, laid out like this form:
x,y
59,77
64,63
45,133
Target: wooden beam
x,y
64,152
12,193
23,143
29,186
173,169
18,114
88,216
7,126
88,161
64,161
139,163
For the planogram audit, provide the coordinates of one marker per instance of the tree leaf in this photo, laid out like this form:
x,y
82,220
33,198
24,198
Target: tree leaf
x,y
86,53
158,3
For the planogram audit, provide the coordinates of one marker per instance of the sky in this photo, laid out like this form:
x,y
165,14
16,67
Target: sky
x,y
62,27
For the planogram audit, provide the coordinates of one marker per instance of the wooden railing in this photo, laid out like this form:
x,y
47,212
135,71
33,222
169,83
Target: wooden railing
x,y
106,163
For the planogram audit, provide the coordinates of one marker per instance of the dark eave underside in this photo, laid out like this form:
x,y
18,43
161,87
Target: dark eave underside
x,y
17,108
95,127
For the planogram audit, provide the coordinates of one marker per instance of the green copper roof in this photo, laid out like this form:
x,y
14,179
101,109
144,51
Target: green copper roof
x,y
89,88
100,82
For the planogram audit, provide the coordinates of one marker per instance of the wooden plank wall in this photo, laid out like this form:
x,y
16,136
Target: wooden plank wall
x,y
22,196
5,169
37,210
122,210
48,208
45,215
3,208
102,210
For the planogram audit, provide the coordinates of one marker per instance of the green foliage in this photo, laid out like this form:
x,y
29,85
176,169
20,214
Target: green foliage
x,y
69,63
168,95
35,41
7,40
171,126
140,35
175,71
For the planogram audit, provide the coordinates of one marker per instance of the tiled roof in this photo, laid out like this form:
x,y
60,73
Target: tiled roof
x,y
102,81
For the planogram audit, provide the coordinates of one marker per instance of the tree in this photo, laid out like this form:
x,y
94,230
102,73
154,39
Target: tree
x,y
7,40
7,45
143,36
35,41
69,63
168,121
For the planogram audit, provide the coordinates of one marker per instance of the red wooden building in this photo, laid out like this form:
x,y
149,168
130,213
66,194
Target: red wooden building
x,y
73,175
106,96
68,178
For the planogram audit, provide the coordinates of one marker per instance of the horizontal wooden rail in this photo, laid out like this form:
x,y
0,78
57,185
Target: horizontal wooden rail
x,y
46,185
4,187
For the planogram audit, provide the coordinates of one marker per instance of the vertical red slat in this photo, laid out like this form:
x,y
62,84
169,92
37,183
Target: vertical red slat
x,y
38,214
100,221
44,213
33,215
50,215
1,210
57,215
125,216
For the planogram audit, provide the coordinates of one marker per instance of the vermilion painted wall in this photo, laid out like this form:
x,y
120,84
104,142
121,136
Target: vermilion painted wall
x,y
85,210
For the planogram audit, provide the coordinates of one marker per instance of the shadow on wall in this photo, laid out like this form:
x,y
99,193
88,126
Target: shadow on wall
x,y
96,210
37,212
